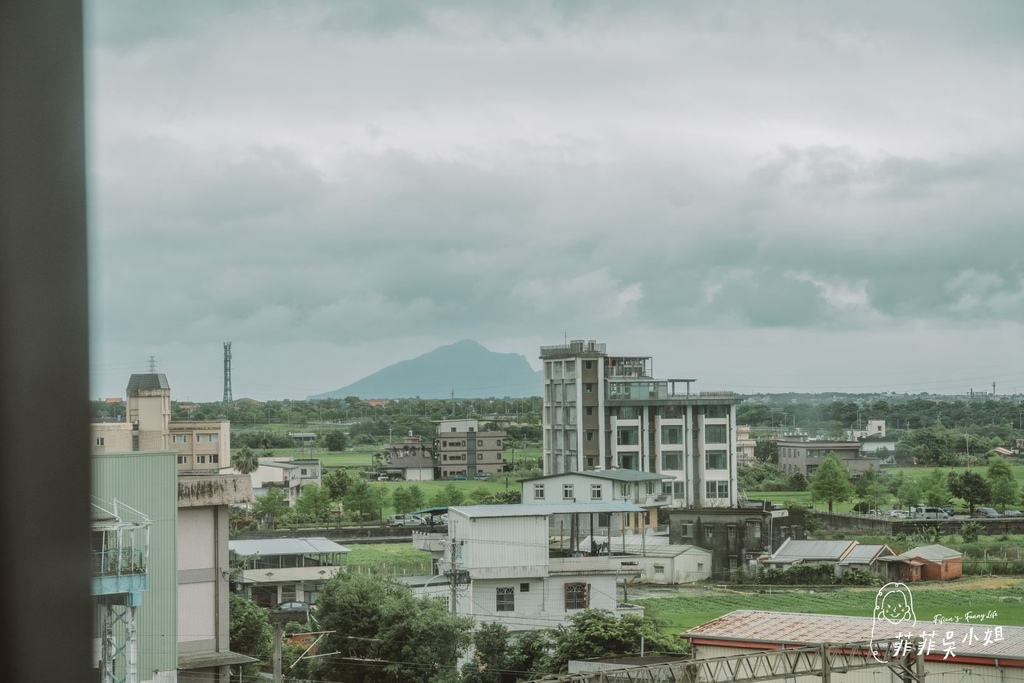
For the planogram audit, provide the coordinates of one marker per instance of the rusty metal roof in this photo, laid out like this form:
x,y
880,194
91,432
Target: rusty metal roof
x,y
812,629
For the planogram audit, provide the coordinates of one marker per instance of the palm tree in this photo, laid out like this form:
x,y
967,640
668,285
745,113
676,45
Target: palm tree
x,y
265,443
245,460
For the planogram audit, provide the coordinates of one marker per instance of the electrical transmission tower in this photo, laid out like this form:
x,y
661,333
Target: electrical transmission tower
x,y
227,373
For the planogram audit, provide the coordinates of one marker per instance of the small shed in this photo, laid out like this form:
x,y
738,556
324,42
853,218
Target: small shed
x,y
938,563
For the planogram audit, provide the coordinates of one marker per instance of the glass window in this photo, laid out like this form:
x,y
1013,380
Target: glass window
x,y
577,596
628,436
672,434
595,492
715,433
590,410
716,411
624,490
650,488
506,599
567,493
709,532
589,388
538,491
716,460
672,460
717,489
659,569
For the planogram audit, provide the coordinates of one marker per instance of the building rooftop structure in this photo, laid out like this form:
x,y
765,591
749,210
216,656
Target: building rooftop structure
x,y
614,475
148,382
932,553
794,551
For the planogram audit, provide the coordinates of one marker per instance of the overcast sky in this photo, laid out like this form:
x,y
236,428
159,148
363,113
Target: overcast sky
x,y
769,197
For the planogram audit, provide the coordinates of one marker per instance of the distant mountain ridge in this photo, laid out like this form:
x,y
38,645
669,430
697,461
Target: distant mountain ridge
x,y
466,368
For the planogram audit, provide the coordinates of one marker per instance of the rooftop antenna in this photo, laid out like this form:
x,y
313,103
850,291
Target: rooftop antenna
x,y
227,373
152,364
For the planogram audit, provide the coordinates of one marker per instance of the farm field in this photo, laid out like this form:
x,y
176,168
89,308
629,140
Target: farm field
x,y
692,607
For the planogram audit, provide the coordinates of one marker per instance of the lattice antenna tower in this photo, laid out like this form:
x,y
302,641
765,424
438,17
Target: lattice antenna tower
x,y
227,373
152,364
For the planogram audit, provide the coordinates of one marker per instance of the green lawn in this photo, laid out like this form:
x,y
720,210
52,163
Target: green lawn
x,y
387,558
681,612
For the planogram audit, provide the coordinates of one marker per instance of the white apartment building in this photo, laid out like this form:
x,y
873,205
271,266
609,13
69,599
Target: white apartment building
x,y
509,570
605,412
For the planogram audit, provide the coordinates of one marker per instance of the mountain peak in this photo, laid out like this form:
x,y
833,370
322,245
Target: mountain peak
x,y
465,367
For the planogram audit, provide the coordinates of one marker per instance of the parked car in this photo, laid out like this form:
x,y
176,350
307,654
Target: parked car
x,y
482,475
1012,513
406,520
928,512
459,477
899,514
986,512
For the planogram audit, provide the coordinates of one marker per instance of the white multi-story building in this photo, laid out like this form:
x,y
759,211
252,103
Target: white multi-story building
x,y
508,570
605,412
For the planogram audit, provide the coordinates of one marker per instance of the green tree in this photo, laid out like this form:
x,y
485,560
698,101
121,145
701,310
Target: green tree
x,y
405,639
831,482
366,500
245,461
314,504
766,450
335,441
910,493
337,482
250,632
407,498
478,495
490,662
1001,482
271,507
972,487
597,633
935,488
450,496
877,495
528,654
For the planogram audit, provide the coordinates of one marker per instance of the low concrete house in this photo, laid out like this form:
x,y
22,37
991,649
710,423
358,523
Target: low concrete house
x,y
659,561
809,552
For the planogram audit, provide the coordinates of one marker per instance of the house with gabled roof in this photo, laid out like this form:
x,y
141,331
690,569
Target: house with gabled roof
x,y
938,563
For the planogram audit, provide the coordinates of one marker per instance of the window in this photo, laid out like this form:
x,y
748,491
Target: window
x,y
716,460
590,410
567,493
506,599
524,588
200,459
731,532
214,438
659,569
479,443
179,438
628,436
733,562
715,433
672,434
590,435
755,529
182,459
716,411
577,596
671,460
595,492
214,458
538,491
716,489
589,388
624,490
498,444
99,441
650,488
589,365
709,532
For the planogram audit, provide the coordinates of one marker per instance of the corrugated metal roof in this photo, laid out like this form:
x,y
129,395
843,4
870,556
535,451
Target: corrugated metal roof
x,y
614,475
864,553
812,629
148,381
285,546
810,551
540,509
932,553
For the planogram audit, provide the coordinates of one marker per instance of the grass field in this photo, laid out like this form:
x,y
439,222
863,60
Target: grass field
x,y
695,607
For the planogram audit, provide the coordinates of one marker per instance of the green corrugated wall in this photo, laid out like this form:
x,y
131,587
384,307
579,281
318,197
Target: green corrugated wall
x,y
148,482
